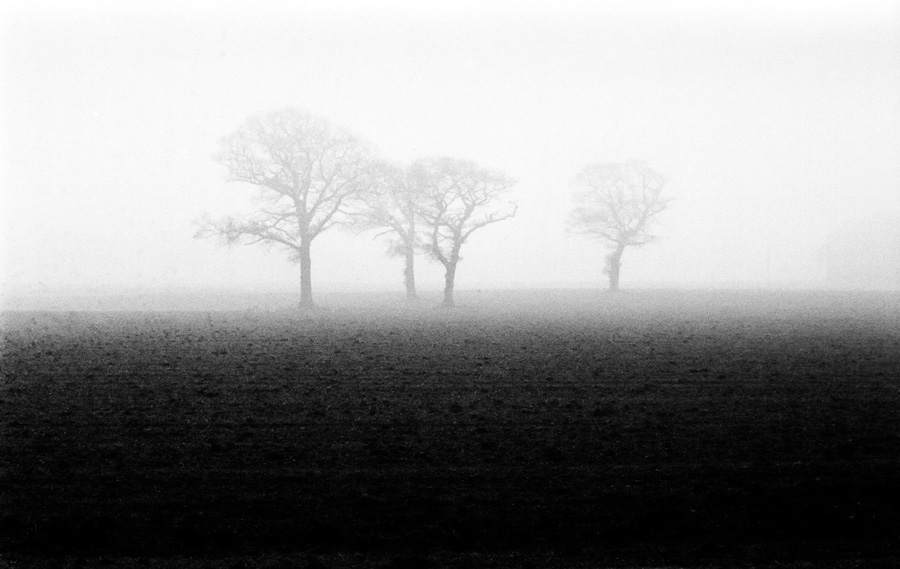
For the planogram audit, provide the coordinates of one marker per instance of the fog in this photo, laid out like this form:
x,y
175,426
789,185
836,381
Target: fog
x,y
777,125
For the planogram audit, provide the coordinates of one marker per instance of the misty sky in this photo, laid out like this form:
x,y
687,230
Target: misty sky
x,y
775,124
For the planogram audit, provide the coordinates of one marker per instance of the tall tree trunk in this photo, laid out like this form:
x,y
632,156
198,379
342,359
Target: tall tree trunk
x,y
409,274
614,266
306,300
449,277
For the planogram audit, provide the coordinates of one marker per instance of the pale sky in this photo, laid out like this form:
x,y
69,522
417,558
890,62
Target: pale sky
x,y
775,122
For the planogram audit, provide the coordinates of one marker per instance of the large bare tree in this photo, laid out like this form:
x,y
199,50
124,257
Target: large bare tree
x,y
307,171
617,203
460,198
393,207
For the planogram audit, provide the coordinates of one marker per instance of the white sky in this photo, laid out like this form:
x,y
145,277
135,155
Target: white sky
x,y
775,122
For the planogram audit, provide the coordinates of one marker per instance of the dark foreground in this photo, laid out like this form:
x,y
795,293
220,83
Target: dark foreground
x,y
648,429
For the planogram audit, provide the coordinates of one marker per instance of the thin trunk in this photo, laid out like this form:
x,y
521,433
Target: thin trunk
x,y
409,274
614,266
449,277
306,300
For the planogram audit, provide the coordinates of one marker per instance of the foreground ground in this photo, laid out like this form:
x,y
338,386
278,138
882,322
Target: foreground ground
x,y
543,430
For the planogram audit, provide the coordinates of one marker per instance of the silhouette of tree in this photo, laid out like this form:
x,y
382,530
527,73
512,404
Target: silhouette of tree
x,y
460,198
308,173
393,205
617,203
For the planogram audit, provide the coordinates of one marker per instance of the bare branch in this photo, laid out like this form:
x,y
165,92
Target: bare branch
x,y
618,202
232,231
459,198
294,155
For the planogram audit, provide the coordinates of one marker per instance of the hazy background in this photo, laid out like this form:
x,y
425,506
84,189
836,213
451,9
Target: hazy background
x,y
777,123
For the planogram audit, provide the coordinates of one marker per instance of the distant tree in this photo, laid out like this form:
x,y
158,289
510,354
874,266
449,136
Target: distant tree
x,y
393,206
617,203
307,172
460,197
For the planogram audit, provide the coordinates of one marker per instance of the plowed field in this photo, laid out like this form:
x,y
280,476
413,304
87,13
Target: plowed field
x,y
643,429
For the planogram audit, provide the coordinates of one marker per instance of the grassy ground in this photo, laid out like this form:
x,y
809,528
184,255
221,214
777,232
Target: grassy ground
x,y
645,429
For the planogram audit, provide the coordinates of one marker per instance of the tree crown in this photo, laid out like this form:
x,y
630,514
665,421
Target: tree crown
x,y
460,198
306,169
618,202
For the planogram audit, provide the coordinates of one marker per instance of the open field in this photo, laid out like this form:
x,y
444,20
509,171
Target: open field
x,y
534,429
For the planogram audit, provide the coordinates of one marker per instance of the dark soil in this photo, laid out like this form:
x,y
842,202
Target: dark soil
x,y
643,429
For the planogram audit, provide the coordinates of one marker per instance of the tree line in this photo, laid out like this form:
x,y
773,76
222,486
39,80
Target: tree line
x,y
312,176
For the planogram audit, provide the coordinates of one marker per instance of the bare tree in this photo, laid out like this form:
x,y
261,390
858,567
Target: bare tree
x,y
307,172
617,204
460,198
393,206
